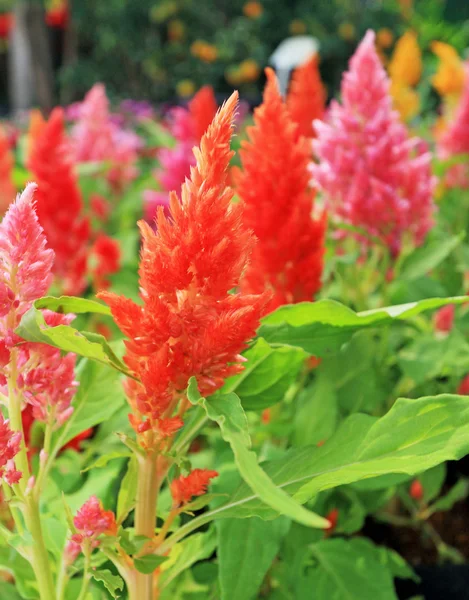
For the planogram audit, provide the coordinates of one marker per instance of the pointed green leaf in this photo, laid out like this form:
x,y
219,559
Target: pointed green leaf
x,y
428,256
128,491
72,304
113,583
148,563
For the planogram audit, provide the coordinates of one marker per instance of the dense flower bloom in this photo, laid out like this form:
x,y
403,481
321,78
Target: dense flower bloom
x,y
91,521
372,174
9,447
455,140
188,126
7,189
278,203
195,484
96,137
59,205
105,255
306,97
189,325
45,378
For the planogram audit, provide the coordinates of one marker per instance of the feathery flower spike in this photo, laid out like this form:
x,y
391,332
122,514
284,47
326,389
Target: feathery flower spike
x,y
91,521
371,173
306,97
183,489
189,325
278,204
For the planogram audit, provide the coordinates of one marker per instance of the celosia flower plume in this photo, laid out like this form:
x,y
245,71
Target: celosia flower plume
x,y
45,378
91,521
306,97
189,325
59,204
183,489
371,173
278,204
7,189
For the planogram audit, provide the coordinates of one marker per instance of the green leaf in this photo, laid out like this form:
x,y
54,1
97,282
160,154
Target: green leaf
x,y
112,583
458,492
33,328
396,564
415,435
267,375
128,491
196,547
427,257
241,573
432,482
148,563
19,567
99,396
322,327
347,570
227,412
105,458
72,304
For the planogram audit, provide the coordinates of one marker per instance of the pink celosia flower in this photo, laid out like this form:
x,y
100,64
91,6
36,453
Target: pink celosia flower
x,y
9,447
455,140
371,173
96,137
91,521
45,378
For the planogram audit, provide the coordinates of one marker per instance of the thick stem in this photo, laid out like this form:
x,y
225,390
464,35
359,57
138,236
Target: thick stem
x,y
145,516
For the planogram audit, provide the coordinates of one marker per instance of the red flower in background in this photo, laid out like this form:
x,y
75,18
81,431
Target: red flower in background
x,y
6,24
7,189
58,14
59,204
278,204
306,97
202,109
189,325
105,253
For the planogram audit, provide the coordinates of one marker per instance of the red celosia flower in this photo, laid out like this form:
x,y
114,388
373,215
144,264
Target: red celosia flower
x,y
7,189
372,174
106,255
58,15
59,204
443,319
189,325
274,187
202,109
306,97
195,484
9,447
416,490
91,521
6,24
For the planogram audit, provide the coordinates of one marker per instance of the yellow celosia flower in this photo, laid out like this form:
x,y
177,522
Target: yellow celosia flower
x,y
185,88
347,31
297,27
384,38
449,78
253,10
405,100
406,62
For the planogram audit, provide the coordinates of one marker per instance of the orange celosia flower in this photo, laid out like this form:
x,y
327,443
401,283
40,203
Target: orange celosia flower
x,y
406,62
36,125
306,97
449,78
202,109
274,187
59,204
183,489
7,189
189,325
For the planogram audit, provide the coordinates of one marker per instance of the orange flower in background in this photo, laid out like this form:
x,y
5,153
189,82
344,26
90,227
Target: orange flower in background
x,y
176,30
384,38
7,189
347,31
306,97
36,125
297,27
204,51
249,70
188,323
253,10
406,61
185,88
449,78
278,204
202,109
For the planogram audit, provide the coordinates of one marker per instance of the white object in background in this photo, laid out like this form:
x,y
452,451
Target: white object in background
x,y
291,53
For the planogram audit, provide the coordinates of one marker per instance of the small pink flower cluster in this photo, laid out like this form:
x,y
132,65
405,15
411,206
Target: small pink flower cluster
x,y
45,379
455,140
9,447
371,173
90,522
97,137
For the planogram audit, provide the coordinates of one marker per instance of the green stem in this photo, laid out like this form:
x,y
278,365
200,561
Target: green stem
x,y
86,574
62,581
190,430
145,516
44,464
